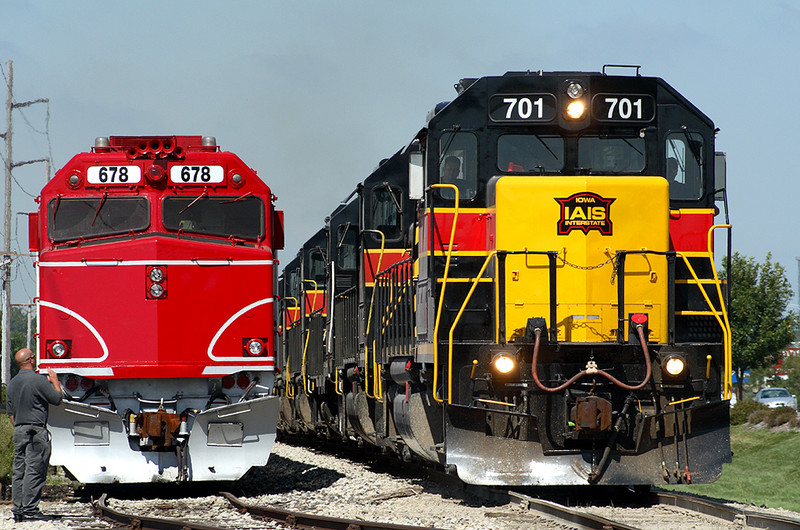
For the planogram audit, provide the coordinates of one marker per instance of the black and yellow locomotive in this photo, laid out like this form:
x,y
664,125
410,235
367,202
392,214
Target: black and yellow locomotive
x,y
526,293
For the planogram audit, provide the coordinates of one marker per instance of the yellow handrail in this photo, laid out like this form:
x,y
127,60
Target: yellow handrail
x,y
728,344
295,306
308,336
723,322
303,369
369,316
313,300
336,383
475,282
444,284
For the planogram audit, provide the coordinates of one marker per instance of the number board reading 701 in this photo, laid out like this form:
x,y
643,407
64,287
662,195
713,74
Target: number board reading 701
x,y
199,175
623,107
522,107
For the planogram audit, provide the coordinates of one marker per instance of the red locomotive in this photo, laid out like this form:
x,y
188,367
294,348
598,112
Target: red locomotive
x,y
155,273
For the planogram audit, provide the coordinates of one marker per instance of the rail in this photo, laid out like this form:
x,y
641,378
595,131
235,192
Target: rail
x,y
309,521
102,510
748,518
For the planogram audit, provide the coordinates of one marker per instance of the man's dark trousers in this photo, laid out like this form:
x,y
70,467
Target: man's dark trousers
x,y
31,458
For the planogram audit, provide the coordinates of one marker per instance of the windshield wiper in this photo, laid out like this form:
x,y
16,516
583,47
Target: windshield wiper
x,y
692,146
99,206
344,234
632,146
394,199
204,194
546,147
240,198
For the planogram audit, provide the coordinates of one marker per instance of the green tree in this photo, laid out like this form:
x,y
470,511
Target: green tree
x,y
761,325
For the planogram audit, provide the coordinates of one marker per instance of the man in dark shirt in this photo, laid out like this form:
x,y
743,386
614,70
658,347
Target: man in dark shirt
x,y
28,397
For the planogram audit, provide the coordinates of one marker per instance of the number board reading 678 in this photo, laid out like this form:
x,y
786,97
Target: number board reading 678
x,y
111,175
196,175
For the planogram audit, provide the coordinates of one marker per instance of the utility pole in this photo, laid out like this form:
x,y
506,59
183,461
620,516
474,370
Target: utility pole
x,y
6,262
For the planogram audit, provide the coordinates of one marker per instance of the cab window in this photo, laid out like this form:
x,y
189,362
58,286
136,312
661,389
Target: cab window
x,y
87,217
613,156
347,239
217,216
530,153
386,211
316,269
684,168
458,164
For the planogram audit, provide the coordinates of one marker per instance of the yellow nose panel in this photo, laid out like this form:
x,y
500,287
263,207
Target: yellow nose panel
x,y
587,220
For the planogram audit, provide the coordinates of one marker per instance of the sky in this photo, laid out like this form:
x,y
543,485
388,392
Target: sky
x,y
313,94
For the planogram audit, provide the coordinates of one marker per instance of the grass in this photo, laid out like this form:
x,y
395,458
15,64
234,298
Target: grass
x,y
6,448
765,470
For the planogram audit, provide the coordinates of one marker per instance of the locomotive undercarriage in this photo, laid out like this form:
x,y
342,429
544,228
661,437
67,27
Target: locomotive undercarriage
x,y
592,431
118,431
507,430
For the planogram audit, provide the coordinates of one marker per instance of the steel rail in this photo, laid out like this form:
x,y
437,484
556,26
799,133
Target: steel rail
x,y
102,510
310,521
750,518
563,513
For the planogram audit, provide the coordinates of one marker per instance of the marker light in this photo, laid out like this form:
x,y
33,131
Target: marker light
x,y
503,364
156,291
71,383
243,381
575,90
674,365
576,109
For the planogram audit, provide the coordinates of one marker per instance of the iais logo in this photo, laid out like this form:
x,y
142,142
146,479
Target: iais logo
x,y
585,211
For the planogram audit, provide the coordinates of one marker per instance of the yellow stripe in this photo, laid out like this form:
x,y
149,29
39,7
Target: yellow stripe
x,y
387,251
700,211
466,253
465,280
460,210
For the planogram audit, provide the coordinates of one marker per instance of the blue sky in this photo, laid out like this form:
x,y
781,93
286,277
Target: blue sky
x,y
313,94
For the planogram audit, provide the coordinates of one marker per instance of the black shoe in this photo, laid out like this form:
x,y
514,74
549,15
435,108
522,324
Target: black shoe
x,y
18,517
38,516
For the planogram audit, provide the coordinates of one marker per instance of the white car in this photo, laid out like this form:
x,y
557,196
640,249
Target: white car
x,y
776,397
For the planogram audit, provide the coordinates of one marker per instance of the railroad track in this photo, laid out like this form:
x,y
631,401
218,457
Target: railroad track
x,y
584,520
286,517
571,517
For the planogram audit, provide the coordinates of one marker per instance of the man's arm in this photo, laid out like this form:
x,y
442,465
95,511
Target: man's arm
x,y
53,378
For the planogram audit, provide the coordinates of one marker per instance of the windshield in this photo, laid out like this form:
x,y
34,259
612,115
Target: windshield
x,y
89,217
530,153
611,155
241,217
775,393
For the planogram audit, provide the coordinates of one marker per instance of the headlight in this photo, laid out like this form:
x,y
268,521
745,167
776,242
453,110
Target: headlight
x,y
576,109
156,274
503,364
58,349
674,365
255,347
156,290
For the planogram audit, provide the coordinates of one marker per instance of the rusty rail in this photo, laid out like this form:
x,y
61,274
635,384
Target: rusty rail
x,y
102,510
